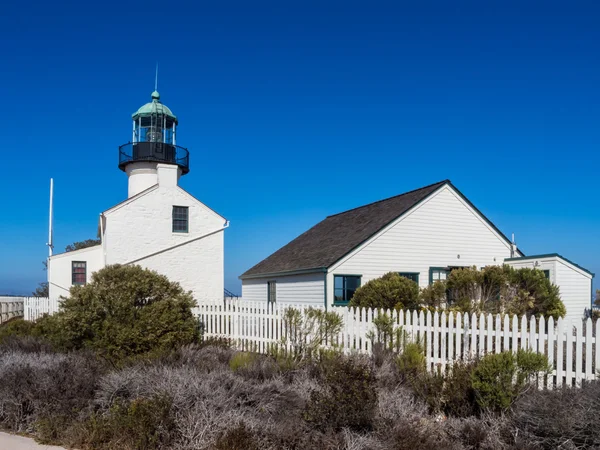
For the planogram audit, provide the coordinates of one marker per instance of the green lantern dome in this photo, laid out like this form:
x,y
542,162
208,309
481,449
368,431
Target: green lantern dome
x,y
153,108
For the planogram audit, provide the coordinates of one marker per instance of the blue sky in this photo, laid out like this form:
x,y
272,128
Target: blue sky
x,y
296,110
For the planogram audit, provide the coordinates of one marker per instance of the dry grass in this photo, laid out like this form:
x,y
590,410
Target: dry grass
x,y
191,399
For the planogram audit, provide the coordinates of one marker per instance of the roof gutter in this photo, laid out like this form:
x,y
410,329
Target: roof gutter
x,y
284,273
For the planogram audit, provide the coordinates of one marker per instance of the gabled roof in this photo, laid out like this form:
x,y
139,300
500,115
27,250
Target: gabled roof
x,y
339,234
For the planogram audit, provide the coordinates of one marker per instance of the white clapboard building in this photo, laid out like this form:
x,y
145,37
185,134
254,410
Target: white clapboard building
x,y
159,226
422,234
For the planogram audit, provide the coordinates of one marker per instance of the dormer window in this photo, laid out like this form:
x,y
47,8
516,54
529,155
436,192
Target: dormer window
x,y
180,219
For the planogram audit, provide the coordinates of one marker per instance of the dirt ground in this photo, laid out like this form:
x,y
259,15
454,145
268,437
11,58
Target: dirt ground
x,y
13,442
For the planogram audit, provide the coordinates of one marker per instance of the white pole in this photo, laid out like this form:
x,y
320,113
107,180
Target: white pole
x,y
49,244
174,141
133,136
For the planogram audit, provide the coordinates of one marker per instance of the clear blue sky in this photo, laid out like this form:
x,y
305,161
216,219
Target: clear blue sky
x,y
296,110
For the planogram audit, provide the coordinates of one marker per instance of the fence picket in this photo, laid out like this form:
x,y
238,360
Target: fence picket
x,y
569,360
578,352
573,353
589,360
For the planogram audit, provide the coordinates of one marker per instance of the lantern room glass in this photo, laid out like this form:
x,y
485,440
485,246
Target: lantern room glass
x,y
154,128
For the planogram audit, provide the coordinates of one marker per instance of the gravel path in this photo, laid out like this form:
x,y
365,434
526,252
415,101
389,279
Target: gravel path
x,y
13,442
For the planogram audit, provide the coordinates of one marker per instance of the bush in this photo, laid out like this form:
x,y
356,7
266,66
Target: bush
x,y
533,294
142,424
411,361
434,295
561,418
349,397
17,328
237,438
500,378
124,311
307,332
388,292
459,399
45,391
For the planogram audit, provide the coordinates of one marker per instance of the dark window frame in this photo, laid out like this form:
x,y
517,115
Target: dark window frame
x,y
183,223
438,269
75,273
546,273
414,276
344,288
272,291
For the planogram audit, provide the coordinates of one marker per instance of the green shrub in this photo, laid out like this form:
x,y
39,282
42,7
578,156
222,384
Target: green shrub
x,y
464,285
124,311
241,360
307,333
533,294
388,292
458,395
237,438
348,399
142,424
411,361
17,328
434,295
386,332
500,378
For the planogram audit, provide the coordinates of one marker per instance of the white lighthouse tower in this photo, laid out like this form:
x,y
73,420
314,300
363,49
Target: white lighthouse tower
x,y
159,226
154,142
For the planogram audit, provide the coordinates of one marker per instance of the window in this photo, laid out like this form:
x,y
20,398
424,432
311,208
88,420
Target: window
x,y
180,219
271,291
547,274
410,275
344,288
438,274
78,272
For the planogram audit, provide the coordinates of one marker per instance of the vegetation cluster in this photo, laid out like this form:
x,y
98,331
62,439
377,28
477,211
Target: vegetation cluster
x,y
124,367
493,289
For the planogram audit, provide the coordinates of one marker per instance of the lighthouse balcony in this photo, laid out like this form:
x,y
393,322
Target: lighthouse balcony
x,y
154,152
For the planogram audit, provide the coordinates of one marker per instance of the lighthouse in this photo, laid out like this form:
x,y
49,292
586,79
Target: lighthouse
x,y
160,226
153,143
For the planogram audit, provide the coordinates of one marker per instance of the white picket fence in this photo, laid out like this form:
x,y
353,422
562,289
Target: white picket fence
x,y
571,346
36,307
10,307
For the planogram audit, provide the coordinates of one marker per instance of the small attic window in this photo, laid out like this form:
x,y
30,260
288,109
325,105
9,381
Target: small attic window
x,y
180,219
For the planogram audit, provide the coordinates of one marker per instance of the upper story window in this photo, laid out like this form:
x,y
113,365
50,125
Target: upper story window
x,y
271,291
414,276
344,288
438,274
180,219
78,272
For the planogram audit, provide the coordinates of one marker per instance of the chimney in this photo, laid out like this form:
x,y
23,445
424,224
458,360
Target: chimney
x,y
168,175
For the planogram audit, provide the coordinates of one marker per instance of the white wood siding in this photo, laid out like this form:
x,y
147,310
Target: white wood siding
x,y
433,234
60,274
305,289
575,289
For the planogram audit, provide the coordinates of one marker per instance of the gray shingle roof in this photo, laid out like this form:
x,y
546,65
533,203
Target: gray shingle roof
x,y
337,235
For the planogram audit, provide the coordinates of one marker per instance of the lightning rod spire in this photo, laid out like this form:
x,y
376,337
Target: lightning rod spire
x,y
156,78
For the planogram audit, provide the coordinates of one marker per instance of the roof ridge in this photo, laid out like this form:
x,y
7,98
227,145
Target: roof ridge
x,y
394,196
